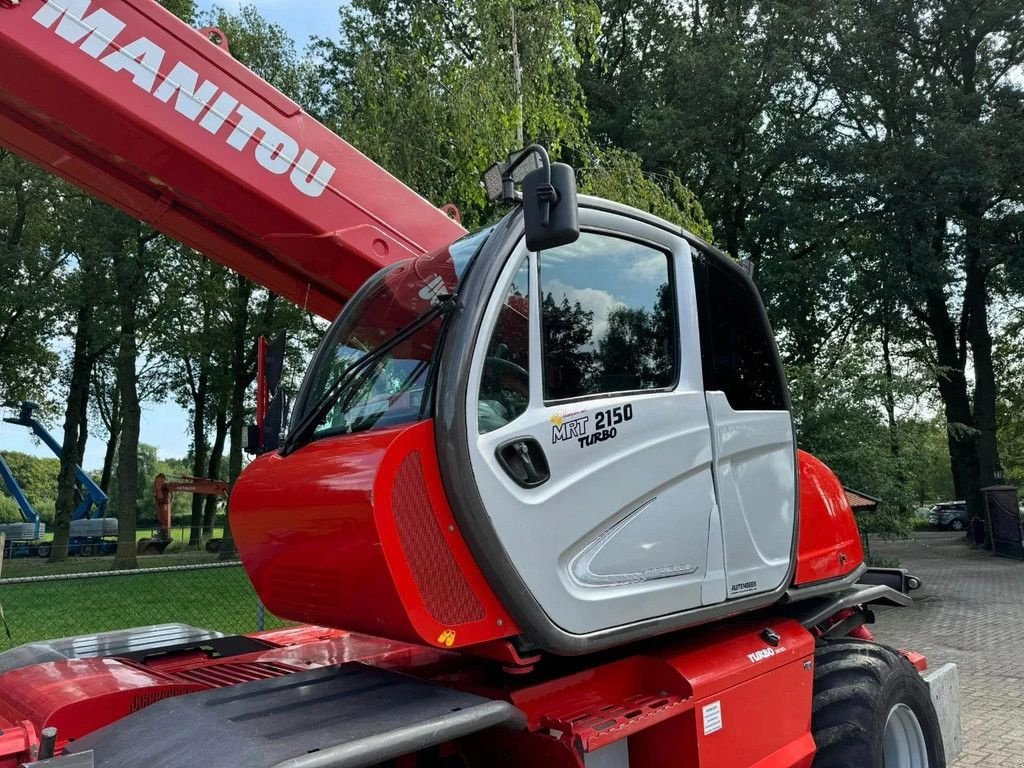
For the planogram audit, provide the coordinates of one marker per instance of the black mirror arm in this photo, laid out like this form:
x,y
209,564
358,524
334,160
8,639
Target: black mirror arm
x,y
507,178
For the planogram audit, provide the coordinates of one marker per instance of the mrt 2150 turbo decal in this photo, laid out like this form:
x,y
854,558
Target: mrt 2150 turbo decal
x,y
576,425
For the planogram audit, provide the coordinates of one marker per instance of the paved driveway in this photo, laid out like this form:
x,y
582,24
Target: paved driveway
x,y
970,611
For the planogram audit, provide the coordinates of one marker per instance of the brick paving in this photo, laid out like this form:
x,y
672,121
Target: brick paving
x,y
970,611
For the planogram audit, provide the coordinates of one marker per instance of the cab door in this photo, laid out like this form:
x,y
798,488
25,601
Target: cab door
x,y
588,429
751,428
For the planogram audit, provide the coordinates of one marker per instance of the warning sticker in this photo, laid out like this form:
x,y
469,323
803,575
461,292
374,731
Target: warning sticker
x,y
712,717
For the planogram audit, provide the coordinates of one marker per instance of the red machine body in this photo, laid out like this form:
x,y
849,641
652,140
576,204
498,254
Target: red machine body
x,y
693,700
370,544
828,543
122,99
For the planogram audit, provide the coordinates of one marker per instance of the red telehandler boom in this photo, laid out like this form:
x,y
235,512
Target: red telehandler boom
x,y
539,504
123,100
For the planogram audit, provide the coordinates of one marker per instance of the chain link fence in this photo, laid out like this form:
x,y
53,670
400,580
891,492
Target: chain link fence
x,y
41,599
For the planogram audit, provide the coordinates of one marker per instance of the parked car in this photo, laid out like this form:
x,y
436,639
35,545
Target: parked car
x,y
950,515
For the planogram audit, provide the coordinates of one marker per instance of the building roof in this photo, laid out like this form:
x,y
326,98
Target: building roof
x,y
861,502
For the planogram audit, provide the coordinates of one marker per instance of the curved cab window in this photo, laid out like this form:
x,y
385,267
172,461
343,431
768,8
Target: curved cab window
x,y
505,380
608,316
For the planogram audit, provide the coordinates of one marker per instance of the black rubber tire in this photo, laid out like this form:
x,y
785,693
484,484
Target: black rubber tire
x,y
44,550
957,525
856,684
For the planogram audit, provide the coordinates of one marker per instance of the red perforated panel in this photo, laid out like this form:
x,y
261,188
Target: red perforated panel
x,y
445,591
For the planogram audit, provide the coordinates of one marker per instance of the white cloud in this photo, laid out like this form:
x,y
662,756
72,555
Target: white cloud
x,y
601,303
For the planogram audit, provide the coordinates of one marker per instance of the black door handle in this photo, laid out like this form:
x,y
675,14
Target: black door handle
x,y
525,462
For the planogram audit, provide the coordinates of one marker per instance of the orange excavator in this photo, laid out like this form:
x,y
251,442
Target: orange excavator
x,y
164,488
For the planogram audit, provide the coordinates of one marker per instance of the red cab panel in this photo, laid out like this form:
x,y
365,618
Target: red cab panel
x,y
829,544
355,532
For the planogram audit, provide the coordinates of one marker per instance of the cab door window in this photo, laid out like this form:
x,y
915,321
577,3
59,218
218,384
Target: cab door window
x,y
737,347
608,318
505,380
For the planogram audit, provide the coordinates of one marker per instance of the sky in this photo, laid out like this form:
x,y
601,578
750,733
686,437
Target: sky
x,y
301,18
165,425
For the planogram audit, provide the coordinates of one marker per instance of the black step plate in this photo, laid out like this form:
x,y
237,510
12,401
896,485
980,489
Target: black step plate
x,y
345,716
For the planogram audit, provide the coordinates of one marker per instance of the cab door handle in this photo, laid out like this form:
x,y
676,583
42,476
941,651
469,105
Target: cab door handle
x,y
524,461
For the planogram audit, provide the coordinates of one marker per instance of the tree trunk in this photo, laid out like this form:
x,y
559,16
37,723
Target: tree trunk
x,y
240,382
113,436
961,430
216,457
129,278
199,460
74,429
890,393
985,389
128,454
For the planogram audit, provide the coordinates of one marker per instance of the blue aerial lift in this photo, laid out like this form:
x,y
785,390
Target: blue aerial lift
x,y
90,529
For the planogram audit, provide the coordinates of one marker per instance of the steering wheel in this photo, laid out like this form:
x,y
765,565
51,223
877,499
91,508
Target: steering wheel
x,y
506,376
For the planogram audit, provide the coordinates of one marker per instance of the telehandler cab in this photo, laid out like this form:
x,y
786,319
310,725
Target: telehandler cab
x,y
540,502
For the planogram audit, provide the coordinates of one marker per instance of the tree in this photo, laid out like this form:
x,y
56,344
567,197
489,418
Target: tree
x,y
618,175
568,330
927,98
33,258
707,91
436,97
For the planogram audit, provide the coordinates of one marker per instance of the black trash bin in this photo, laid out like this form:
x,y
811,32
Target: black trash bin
x,y
978,531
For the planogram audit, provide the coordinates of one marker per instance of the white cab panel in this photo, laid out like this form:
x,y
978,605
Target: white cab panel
x,y
756,479
620,532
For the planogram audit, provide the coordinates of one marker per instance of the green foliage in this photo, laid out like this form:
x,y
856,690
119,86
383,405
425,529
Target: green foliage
x,y
837,415
37,478
33,260
1010,352
618,175
863,155
429,91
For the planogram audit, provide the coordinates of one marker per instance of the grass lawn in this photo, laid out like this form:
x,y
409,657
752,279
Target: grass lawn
x,y
216,598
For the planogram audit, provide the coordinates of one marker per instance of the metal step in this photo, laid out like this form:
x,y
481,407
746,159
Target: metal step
x,y
349,716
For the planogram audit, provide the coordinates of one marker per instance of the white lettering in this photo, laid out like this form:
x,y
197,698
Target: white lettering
x,y
305,180
219,112
276,151
142,58
192,97
98,28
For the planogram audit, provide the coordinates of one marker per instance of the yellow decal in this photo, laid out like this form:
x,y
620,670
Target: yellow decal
x,y
447,638
556,420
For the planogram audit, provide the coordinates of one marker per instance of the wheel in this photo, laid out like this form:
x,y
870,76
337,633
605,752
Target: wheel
x,y
871,709
957,525
43,550
87,550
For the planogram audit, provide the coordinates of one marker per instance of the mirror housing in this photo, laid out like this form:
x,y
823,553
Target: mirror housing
x,y
550,210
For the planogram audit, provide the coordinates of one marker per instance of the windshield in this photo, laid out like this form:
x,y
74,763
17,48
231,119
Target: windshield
x,y
393,389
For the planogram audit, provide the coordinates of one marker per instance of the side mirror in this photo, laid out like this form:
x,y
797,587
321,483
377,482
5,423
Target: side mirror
x,y
550,210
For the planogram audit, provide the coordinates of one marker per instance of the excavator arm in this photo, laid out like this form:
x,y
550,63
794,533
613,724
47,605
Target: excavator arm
x,y
125,101
165,487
